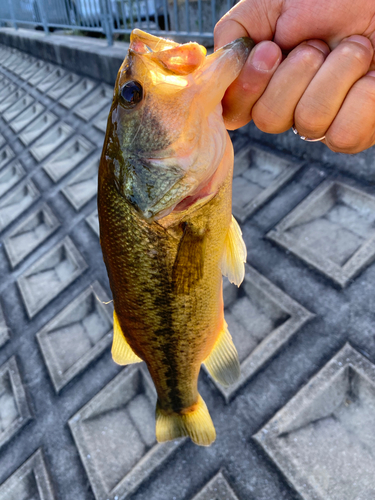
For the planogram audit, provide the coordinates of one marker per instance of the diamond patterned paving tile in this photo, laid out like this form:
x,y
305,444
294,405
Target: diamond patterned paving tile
x,y
29,234
17,107
68,157
84,185
332,230
216,489
4,331
26,117
77,93
77,336
90,106
6,154
2,140
30,482
51,79
51,140
323,438
37,127
25,64
32,69
63,86
11,99
258,175
51,274
14,410
261,319
16,202
42,74
93,221
115,435
10,175
7,90
101,120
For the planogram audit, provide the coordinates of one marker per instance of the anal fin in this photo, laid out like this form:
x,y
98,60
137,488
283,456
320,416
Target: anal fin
x,y
122,353
234,254
194,422
222,363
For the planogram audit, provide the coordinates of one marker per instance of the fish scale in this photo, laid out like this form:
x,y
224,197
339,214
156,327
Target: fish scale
x,y
165,250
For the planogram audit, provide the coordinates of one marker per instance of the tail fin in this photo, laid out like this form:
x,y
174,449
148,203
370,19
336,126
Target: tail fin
x,y
194,422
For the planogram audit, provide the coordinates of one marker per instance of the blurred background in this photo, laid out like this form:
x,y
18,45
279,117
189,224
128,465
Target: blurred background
x,y
113,18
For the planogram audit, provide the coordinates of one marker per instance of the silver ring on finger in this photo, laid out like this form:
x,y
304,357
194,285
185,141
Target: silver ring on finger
x,y
306,139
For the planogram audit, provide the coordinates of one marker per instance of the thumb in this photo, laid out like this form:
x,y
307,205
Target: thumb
x,y
254,18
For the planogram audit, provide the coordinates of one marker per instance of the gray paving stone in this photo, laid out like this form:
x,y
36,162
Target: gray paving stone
x,y
115,435
25,64
29,115
323,438
332,230
98,99
2,140
6,154
19,60
261,319
29,234
84,185
7,90
14,409
101,120
68,157
217,489
37,127
42,74
77,335
258,175
30,482
77,93
51,140
93,221
49,275
51,79
16,202
11,99
63,86
19,106
10,175
32,69
4,331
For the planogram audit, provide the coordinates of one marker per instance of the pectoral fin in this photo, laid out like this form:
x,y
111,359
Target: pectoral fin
x,y
234,255
122,353
222,363
189,264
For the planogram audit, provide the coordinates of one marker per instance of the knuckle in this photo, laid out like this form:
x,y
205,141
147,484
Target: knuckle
x,y
344,140
267,120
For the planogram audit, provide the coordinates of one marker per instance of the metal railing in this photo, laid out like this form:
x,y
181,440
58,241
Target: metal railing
x,y
194,19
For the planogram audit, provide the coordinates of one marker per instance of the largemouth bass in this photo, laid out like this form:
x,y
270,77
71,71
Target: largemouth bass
x,y
166,227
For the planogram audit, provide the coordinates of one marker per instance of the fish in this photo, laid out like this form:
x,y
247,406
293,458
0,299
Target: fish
x,y
166,227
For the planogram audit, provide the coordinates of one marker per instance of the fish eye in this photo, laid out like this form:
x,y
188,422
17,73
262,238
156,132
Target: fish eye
x,y
131,94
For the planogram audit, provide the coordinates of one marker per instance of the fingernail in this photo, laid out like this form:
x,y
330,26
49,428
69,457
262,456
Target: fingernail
x,y
360,39
371,73
265,56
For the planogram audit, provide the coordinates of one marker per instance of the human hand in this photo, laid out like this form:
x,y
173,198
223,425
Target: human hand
x,y
322,92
